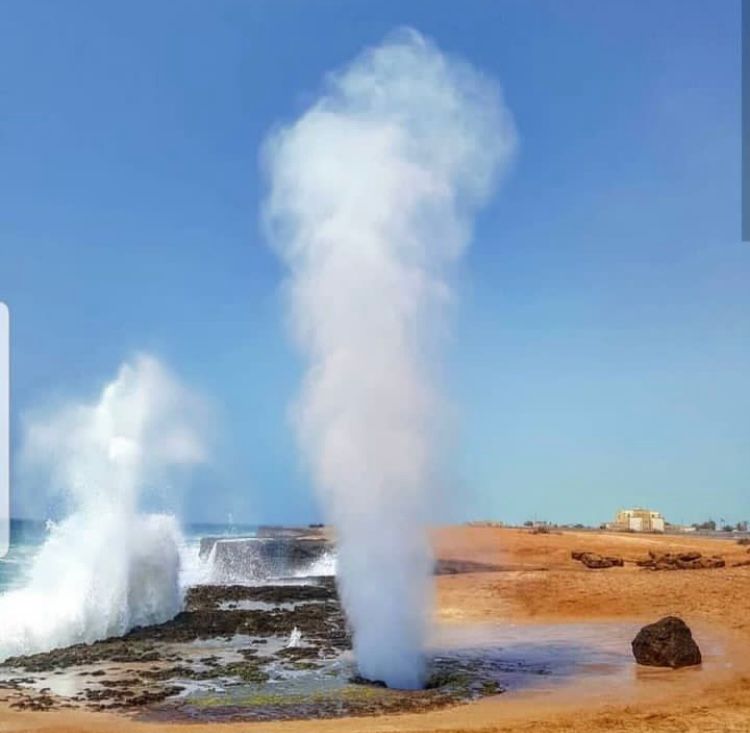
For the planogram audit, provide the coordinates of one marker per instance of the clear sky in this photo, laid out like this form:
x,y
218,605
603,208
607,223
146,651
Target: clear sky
x,y
602,347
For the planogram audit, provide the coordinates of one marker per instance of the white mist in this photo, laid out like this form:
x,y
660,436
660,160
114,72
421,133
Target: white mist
x,y
372,194
107,567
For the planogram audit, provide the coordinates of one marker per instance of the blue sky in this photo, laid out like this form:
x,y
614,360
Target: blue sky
x,y
602,347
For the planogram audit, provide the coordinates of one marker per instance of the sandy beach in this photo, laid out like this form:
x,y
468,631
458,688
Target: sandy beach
x,y
529,584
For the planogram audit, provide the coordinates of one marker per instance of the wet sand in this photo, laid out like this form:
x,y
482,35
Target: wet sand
x,y
538,598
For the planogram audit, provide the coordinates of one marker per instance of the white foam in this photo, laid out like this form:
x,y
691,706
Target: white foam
x,y
324,566
295,639
105,568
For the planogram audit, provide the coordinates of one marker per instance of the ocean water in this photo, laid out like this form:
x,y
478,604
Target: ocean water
x,y
28,536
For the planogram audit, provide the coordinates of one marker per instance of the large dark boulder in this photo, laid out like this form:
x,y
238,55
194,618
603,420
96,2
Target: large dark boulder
x,y
666,643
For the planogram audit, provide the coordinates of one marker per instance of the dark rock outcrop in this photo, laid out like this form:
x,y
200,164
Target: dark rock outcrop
x,y
666,643
680,561
238,559
595,561
315,611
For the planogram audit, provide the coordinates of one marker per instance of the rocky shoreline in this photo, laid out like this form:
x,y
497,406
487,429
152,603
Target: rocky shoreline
x,y
265,652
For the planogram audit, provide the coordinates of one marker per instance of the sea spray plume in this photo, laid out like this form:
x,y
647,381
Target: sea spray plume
x,y
106,568
372,193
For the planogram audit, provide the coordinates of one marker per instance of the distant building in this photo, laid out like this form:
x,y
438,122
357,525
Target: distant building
x,y
638,520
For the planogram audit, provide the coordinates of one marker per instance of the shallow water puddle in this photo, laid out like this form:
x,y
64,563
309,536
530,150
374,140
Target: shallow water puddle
x,y
591,661
524,653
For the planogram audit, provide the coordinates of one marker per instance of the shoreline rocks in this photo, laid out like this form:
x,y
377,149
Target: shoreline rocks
x,y
227,658
239,559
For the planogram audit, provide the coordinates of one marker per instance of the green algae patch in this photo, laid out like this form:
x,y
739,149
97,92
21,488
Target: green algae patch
x,y
446,687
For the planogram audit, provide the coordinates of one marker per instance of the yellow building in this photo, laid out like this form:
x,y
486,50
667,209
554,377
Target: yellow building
x,y
639,520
